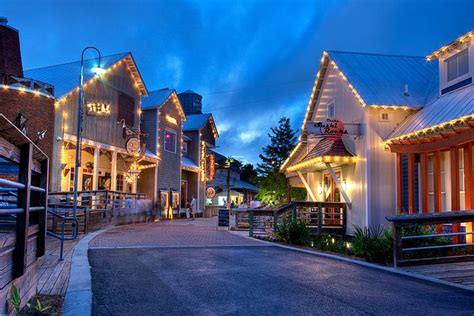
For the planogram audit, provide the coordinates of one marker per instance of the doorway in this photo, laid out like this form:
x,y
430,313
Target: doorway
x,y
331,194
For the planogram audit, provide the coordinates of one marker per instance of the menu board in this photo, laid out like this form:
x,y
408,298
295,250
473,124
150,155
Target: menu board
x,y
223,218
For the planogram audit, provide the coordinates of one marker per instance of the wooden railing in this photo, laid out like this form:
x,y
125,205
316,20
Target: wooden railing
x,y
320,217
430,238
95,210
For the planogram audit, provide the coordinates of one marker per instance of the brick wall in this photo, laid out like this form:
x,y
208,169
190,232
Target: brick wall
x,y
10,56
38,110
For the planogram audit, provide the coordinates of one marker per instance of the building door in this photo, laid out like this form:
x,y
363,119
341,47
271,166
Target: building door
x,y
332,193
184,193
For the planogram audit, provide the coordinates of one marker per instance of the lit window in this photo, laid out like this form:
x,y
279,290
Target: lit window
x,y
170,141
457,65
384,116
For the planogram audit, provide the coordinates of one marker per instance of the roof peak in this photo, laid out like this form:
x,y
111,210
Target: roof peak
x,y
78,61
373,54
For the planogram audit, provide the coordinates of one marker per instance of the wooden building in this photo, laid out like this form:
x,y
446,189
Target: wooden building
x,y
113,154
197,162
162,123
417,107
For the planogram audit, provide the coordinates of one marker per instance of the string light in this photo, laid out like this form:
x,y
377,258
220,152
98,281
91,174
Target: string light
x,y
459,41
322,159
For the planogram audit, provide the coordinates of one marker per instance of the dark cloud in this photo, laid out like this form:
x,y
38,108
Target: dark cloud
x,y
253,61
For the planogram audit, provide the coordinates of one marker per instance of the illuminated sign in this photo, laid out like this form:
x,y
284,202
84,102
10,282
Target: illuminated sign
x,y
171,119
210,167
210,192
202,162
98,109
331,128
133,146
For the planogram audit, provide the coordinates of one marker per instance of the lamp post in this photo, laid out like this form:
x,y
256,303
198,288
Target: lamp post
x,y
228,164
80,118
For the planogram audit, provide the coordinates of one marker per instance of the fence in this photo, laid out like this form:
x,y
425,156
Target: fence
x,y
431,238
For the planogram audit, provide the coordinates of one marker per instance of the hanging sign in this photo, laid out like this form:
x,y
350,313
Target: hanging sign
x,y
98,109
210,192
330,128
133,146
210,167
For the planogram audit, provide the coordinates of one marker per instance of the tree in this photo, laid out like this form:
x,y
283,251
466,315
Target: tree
x,y
282,141
248,174
273,185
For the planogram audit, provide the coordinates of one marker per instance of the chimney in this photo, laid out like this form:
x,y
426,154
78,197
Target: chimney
x,y
10,55
406,93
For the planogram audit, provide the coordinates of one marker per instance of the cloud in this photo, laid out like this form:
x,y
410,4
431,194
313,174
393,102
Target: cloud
x,y
174,66
249,136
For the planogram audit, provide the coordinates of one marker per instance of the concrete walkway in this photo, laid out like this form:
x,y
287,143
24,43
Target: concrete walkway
x,y
188,267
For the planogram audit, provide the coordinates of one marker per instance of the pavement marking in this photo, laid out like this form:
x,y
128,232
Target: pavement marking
x,y
367,264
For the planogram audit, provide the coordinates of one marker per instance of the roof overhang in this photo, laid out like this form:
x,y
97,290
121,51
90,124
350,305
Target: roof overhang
x,y
318,163
456,44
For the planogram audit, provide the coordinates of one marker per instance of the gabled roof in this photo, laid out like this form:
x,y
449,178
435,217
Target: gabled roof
x,y
451,46
381,79
328,147
157,98
65,77
452,106
195,122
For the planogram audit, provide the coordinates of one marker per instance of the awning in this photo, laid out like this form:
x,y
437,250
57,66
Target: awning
x,y
188,164
326,151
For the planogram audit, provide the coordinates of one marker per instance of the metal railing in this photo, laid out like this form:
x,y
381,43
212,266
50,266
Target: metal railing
x,y
63,237
26,83
432,238
320,217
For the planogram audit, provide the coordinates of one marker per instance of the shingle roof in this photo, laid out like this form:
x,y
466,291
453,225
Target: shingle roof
x,y
328,147
448,107
156,98
65,77
195,121
381,79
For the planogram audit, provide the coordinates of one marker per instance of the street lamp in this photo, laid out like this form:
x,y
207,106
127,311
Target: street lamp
x,y
228,164
80,117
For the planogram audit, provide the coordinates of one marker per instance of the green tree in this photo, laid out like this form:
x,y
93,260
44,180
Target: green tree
x,y
282,141
248,174
272,184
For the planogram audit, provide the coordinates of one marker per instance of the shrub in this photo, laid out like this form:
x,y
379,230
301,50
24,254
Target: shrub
x,y
293,232
374,244
424,242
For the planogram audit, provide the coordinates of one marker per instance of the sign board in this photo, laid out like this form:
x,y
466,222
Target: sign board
x,y
223,220
98,109
331,128
210,192
133,146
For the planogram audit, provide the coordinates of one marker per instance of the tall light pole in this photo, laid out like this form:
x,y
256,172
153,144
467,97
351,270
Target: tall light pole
x,y
80,118
228,164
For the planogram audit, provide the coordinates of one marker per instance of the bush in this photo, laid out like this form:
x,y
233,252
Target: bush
x,y
424,242
374,244
327,242
293,232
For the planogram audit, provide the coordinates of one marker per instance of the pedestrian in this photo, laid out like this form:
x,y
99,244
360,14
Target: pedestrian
x,y
188,209
194,207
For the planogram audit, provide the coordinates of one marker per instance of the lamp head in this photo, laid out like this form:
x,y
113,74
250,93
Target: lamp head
x,y
98,70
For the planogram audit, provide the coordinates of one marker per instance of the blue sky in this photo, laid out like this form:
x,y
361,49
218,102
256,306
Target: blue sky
x,y
253,61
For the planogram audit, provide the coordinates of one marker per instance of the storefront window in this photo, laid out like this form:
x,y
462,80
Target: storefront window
x,y
431,183
120,182
170,141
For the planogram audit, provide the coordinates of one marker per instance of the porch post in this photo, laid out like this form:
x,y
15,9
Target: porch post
x,y
306,185
399,184
113,172
95,178
411,183
455,203
424,183
338,184
468,186
437,185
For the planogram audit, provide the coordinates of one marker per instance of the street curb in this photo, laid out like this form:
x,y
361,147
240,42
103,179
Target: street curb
x,y
78,299
366,264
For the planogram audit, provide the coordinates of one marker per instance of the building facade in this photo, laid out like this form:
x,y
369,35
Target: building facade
x,y
112,154
364,107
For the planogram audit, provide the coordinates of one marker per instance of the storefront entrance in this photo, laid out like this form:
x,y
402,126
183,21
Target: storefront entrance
x,y
331,194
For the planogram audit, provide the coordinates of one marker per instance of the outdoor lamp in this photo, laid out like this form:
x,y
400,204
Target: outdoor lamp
x,y
98,70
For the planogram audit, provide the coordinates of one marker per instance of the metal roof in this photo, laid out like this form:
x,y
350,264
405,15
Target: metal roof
x,y
446,108
65,77
187,163
156,98
381,79
196,121
239,184
328,147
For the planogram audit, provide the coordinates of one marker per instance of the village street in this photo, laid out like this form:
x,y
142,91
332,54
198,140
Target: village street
x,y
188,267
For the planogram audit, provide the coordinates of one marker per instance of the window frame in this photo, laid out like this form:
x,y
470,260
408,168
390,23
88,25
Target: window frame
x,y
171,131
333,105
183,145
456,57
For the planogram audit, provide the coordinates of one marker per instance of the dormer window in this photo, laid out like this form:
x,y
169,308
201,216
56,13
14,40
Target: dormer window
x,y
331,110
457,65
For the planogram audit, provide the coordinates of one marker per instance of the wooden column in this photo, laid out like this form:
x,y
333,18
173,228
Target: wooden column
x,y
437,185
399,184
22,219
455,203
42,215
95,178
113,172
468,186
411,183
425,201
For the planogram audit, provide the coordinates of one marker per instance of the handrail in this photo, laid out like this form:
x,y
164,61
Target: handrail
x,y
62,238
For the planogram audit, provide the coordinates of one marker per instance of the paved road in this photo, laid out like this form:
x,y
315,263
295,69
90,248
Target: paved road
x,y
236,276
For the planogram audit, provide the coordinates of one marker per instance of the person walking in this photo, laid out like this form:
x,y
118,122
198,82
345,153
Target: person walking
x,y
194,207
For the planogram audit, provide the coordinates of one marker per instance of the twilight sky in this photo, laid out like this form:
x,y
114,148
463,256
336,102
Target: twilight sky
x,y
253,61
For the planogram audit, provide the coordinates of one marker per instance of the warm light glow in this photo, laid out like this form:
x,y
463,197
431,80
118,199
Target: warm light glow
x,y
98,70
171,119
314,161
